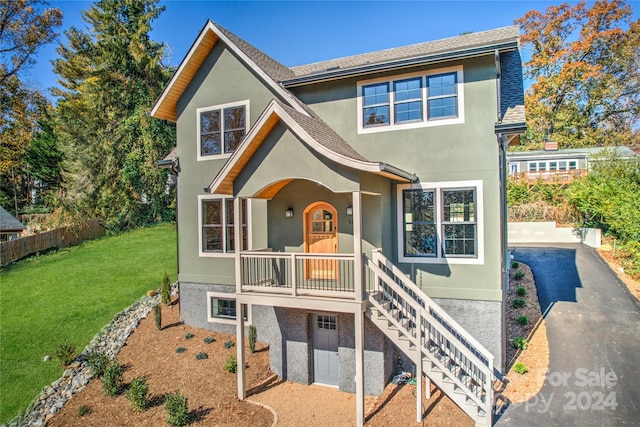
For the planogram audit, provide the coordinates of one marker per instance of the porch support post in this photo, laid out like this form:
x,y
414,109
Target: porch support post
x,y
357,245
418,365
359,327
237,235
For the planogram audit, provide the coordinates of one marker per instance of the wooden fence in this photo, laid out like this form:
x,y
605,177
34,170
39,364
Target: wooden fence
x,y
14,250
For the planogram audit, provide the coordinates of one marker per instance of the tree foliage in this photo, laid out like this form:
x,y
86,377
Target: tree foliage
x,y
111,73
585,67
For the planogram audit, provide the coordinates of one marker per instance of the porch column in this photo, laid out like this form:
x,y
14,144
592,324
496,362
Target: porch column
x,y
359,327
237,236
419,367
357,246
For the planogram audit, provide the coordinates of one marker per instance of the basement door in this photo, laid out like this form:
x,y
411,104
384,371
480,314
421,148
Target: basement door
x,y
325,349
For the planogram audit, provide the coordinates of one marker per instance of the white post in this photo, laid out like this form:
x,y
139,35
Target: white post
x,y
294,275
357,246
240,349
237,238
418,378
359,327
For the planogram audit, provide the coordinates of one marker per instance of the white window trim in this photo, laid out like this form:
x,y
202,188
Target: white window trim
x,y
222,254
425,122
547,164
438,187
221,107
223,320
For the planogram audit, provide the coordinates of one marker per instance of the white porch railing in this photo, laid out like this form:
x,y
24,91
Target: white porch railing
x,y
322,275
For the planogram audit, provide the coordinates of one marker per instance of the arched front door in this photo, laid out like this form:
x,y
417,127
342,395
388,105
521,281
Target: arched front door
x,y
321,236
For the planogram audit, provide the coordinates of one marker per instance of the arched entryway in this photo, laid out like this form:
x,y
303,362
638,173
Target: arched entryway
x,y
321,237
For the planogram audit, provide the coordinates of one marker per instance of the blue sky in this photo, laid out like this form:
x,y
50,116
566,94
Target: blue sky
x,y
302,32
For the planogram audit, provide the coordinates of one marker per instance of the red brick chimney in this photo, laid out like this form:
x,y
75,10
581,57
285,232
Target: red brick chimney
x,y
550,146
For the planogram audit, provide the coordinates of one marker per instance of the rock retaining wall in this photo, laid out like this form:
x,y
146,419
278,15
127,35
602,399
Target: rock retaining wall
x,y
76,377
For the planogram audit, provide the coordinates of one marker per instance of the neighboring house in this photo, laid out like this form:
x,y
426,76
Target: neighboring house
x,y
341,207
10,228
559,165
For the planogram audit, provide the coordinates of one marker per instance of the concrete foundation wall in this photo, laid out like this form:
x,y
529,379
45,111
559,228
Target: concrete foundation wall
x,y
543,232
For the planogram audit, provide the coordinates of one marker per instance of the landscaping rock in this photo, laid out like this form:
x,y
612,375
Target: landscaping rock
x,y
76,377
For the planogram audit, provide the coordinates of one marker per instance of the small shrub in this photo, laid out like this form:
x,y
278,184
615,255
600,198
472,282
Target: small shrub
x,y
98,362
188,336
252,338
229,344
176,406
515,265
66,353
180,350
518,303
523,320
165,290
519,275
521,291
231,364
520,368
112,379
138,393
202,355
83,410
157,316
209,340
520,343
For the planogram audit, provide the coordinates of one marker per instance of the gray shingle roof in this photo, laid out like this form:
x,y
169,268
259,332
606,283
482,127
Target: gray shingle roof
x,y
514,115
322,133
8,223
458,43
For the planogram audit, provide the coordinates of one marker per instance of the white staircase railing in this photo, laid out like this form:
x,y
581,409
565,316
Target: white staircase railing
x,y
450,357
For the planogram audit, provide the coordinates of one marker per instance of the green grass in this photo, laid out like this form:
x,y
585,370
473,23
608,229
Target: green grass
x,y
71,294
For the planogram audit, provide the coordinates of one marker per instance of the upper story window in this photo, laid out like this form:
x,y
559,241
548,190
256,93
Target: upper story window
x,y
221,128
412,100
217,235
441,223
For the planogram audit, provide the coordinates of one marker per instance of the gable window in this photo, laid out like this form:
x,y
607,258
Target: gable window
x,y
222,308
221,128
441,222
217,234
376,104
413,100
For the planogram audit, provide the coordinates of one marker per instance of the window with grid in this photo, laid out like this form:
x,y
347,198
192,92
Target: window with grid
x,y
407,100
326,322
459,222
218,225
442,98
221,129
376,104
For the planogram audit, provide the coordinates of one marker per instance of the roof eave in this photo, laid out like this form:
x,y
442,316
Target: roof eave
x,y
402,63
511,128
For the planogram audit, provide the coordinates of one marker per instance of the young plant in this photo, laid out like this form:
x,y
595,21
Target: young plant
x,y
165,290
138,393
231,364
188,336
520,343
520,368
83,410
112,379
98,362
66,353
518,303
515,265
519,275
209,340
521,291
252,338
176,406
523,320
202,355
157,316
180,350
229,344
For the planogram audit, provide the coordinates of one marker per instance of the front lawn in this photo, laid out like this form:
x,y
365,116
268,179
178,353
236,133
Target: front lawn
x,y
70,295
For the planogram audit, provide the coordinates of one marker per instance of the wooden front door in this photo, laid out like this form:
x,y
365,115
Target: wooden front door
x,y
321,236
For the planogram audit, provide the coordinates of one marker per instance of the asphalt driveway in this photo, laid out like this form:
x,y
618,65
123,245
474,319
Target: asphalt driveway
x,y
593,326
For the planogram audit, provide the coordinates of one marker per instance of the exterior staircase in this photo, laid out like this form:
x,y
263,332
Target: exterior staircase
x,y
442,350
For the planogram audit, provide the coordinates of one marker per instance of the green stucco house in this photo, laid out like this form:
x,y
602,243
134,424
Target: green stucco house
x,y
352,210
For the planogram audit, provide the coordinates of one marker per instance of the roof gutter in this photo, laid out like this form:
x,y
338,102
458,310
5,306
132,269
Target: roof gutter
x,y
385,167
402,63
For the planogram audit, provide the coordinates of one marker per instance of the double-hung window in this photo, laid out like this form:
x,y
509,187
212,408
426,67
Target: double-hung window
x,y
217,234
432,98
221,128
441,222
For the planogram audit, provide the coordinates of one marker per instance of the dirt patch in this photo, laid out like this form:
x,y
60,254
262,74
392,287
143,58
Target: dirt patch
x,y
606,251
152,353
536,357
